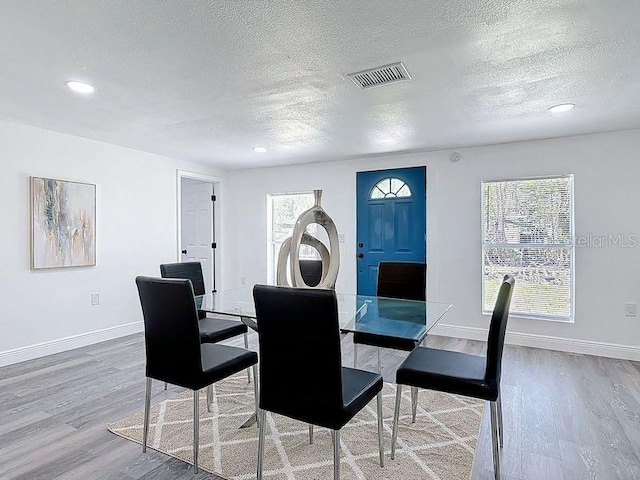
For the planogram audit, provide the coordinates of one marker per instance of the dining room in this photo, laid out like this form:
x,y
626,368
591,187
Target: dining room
x,y
413,254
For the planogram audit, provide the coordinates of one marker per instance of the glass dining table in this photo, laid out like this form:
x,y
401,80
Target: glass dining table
x,y
399,319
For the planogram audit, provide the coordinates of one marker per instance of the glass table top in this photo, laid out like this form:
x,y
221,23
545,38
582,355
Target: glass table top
x,y
404,319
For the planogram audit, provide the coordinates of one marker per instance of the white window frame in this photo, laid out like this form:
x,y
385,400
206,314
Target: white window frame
x,y
570,245
272,256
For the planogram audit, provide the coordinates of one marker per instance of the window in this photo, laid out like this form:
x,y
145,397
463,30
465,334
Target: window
x,y
527,231
390,188
283,211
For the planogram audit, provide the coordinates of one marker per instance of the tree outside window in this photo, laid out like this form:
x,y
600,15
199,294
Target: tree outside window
x,y
284,210
527,231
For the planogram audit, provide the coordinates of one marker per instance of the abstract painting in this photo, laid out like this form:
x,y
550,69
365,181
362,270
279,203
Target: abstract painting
x,y
63,223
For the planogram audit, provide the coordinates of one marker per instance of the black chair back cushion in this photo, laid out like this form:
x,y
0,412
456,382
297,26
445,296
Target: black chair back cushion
x,y
405,280
189,270
311,271
300,359
497,332
171,334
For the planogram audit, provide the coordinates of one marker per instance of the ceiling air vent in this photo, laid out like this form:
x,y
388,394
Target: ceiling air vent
x,y
395,72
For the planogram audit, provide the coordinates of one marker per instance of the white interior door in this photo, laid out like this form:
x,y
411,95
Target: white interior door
x,y
197,239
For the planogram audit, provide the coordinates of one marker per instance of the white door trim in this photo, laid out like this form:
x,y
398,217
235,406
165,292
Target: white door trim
x,y
217,209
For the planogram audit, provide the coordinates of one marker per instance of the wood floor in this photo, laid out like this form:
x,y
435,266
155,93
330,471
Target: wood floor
x,y
566,416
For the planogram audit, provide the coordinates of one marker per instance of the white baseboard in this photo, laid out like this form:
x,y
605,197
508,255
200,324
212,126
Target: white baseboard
x,y
572,345
9,357
587,347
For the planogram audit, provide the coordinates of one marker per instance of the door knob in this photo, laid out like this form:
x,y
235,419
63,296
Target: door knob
x,y
184,252
361,255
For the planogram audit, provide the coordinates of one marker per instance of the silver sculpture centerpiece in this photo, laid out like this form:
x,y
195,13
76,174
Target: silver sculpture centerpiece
x,y
289,255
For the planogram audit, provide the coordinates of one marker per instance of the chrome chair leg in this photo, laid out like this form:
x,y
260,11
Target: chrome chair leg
x,y
336,454
414,403
379,362
310,434
147,407
380,429
355,355
500,428
261,433
246,345
165,385
494,440
396,416
209,397
256,393
196,428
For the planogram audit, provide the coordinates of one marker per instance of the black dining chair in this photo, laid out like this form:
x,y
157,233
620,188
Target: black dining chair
x,y
402,280
301,374
173,349
311,271
212,330
461,373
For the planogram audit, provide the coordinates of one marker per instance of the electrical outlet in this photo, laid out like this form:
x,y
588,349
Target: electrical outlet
x,y
95,299
243,280
630,310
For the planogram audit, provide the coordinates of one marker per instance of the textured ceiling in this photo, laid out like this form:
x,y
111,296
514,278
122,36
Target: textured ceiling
x,y
208,80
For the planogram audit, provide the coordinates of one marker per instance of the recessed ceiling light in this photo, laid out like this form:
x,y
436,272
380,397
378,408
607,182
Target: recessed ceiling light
x,y
563,107
259,149
80,87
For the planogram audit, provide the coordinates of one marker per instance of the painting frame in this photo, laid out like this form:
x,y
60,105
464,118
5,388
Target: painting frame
x,y
62,224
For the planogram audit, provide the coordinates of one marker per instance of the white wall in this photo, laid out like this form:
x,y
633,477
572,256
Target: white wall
x,y
607,198
46,311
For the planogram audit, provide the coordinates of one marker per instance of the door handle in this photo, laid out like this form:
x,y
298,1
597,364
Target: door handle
x,y
184,252
361,255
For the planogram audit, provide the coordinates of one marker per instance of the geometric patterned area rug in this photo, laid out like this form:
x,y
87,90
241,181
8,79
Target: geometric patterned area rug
x,y
440,445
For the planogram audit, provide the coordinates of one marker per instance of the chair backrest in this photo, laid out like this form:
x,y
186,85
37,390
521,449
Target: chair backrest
x,y
405,280
497,332
189,270
300,358
171,334
311,271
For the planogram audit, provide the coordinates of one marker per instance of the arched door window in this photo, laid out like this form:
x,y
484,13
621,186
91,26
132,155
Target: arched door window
x,y
390,188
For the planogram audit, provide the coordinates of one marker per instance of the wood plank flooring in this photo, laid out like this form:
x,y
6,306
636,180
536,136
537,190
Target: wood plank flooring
x,y
565,416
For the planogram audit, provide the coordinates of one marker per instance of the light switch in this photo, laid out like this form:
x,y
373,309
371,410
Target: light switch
x,y
630,310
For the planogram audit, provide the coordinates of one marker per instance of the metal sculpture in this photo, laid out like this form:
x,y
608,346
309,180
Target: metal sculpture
x,y
289,255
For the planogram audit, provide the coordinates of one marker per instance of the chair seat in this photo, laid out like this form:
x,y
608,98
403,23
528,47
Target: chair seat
x,y
359,387
375,340
221,361
214,330
447,371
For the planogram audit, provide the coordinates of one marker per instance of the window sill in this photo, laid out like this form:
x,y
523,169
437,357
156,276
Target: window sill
x,y
570,320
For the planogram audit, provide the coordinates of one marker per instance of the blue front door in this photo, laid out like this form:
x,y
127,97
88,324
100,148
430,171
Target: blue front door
x,y
391,221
